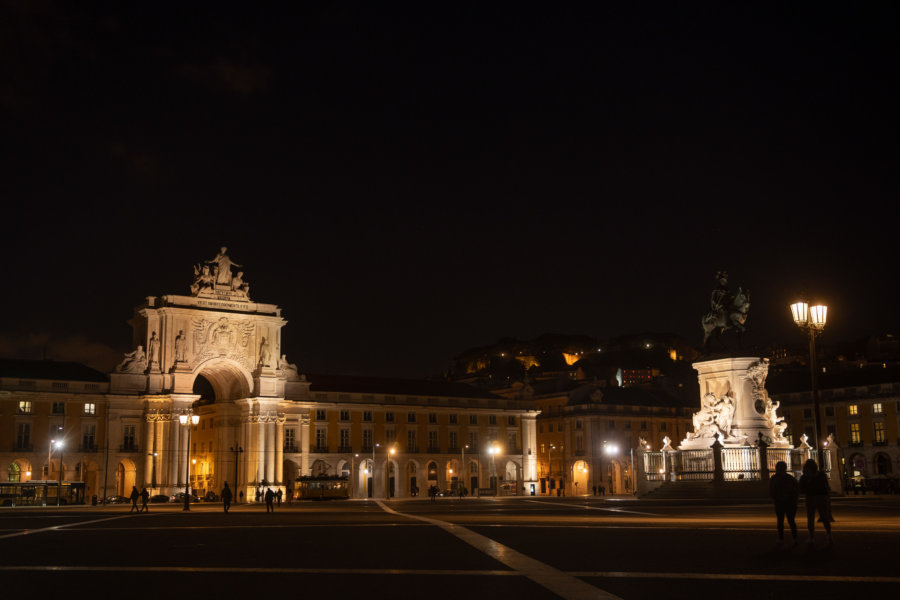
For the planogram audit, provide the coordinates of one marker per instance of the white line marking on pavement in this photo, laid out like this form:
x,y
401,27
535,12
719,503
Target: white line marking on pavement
x,y
586,507
739,576
58,527
554,580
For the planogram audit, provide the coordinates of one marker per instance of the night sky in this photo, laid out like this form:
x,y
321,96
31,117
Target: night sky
x,y
407,185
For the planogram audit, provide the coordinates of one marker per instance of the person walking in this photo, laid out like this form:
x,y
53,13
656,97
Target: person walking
x,y
135,495
278,497
226,497
145,497
785,491
270,500
814,484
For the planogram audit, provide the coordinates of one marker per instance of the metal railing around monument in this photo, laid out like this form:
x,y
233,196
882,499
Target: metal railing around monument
x,y
738,464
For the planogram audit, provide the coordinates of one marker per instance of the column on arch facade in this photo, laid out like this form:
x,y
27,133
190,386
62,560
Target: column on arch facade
x,y
149,429
279,450
270,448
304,445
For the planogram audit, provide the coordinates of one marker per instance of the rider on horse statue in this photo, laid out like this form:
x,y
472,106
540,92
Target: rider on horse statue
x,y
726,310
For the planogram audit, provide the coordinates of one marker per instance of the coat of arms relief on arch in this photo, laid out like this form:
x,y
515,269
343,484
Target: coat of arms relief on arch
x,y
223,338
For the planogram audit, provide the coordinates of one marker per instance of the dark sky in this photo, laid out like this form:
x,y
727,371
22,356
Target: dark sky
x,y
406,185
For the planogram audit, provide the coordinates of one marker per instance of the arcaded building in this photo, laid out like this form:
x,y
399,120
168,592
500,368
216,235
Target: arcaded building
x,y
207,396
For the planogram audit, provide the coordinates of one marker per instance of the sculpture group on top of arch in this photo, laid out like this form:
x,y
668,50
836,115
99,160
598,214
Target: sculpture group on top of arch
x,y
214,279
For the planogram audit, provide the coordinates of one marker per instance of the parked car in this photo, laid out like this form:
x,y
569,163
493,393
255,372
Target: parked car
x,y
158,498
179,497
118,500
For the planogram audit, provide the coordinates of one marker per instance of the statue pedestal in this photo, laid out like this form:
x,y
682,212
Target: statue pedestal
x,y
734,405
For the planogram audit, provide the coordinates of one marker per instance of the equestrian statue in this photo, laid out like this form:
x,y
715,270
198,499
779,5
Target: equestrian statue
x,y
727,311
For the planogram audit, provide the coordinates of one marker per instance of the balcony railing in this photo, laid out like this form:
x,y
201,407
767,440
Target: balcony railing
x,y
129,448
345,449
87,448
291,448
320,449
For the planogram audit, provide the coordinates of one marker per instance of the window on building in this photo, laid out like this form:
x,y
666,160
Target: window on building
x,y
290,439
432,440
829,411
321,440
23,436
345,440
612,424
854,433
345,415
202,424
454,440
320,415
90,408
432,418
454,419
492,419
627,424
579,444
473,419
877,408
202,447
643,425
367,416
473,441
411,417
128,434
194,448
852,409
513,439
577,423
549,427
59,408
24,407
388,417
662,426
510,421
411,445
88,435
367,439
390,437
210,447
879,433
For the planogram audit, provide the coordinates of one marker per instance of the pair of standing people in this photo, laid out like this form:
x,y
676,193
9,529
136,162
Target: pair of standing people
x,y
143,496
785,491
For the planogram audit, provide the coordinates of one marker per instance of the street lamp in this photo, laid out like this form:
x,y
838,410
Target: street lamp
x,y
463,471
493,450
550,450
387,470
812,319
59,446
189,420
610,449
237,452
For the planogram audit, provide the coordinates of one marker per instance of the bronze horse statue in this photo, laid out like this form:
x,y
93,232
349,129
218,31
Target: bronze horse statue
x,y
732,316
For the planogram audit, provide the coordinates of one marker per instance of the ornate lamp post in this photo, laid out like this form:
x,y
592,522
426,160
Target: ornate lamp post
x,y
387,471
463,471
493,450
610,449
550,450
189,420
812,319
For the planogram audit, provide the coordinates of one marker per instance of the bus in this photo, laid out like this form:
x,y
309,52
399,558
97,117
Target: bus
x,y
41,493
323,487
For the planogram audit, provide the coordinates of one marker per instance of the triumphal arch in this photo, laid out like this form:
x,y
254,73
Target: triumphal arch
x,y
215,355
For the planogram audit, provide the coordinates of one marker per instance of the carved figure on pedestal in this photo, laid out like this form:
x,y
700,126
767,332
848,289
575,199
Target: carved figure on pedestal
x,y
642,442
667,444
180,347
239,286
223,262
727,311
264,353
289,369
153,348
135,362
714,418
203,279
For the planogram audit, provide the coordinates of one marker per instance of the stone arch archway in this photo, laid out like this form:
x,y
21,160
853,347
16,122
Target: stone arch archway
x,y
228,379
882,464
581,477
126,477
20,468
